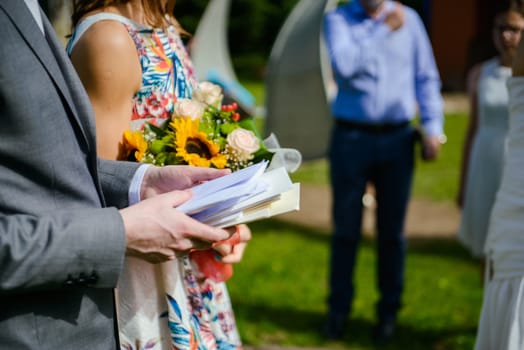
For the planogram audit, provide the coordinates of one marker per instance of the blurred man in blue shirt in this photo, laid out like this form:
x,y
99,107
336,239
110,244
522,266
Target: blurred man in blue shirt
x,y
384,68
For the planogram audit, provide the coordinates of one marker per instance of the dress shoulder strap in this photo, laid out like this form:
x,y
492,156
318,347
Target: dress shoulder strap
x,y
84,25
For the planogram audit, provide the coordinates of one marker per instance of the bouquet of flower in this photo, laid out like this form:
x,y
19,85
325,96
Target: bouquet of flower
x,y
202,132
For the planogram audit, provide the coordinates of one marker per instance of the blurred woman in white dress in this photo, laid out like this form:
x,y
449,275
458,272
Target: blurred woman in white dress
x,y
501,323
485,143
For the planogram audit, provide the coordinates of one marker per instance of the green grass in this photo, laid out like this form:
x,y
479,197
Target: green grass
x,y
257,89
439,180
436,180
279,290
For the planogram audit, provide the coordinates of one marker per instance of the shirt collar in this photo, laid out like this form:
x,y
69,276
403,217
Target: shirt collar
x,y
34,8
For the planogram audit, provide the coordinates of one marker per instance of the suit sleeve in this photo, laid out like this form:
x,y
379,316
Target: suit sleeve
x,y
54,233
61,250
115,178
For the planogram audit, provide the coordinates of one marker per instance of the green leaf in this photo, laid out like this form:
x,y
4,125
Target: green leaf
x,y
226,129
262,154
157,146
249,124
160,158
160,132
207,127
172,159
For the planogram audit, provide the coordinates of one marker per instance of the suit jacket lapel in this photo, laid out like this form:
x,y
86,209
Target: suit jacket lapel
x,y
77,98
70,85
52,55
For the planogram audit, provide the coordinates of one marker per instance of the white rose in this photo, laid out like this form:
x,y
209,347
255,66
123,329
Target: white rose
x,y
244,142
187,108
209,93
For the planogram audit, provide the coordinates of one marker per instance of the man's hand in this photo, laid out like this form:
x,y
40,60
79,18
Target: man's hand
x,y
158,180
395,18
431,147
157,232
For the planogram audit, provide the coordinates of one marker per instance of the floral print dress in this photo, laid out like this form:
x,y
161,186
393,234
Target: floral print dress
x,y
165,306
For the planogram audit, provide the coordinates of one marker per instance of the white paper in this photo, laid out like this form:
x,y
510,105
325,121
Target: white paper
x,y
287,201
243,196
235,185
276,181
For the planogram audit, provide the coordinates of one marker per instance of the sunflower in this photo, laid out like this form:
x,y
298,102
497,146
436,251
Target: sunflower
x,y
194,146
133,146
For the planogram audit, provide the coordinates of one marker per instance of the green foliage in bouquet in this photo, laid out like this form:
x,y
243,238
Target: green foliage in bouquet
x,y
202,132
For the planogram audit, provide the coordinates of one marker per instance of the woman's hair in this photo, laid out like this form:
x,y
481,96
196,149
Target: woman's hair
x,y
503,6
519,6
156,14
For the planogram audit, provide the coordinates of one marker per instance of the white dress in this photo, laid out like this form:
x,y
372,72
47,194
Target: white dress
x,y
487,154
501,323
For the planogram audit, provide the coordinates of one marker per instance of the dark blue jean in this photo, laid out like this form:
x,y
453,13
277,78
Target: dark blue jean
x,y
385,159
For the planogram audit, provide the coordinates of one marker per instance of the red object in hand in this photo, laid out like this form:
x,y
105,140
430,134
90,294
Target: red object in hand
x,y
210,267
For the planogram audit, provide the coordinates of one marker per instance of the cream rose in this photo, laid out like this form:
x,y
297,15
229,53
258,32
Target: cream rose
x,y
209,93
244,142
187,108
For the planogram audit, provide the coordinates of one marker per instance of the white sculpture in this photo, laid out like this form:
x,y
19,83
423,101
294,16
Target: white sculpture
x,y
299,82
210,54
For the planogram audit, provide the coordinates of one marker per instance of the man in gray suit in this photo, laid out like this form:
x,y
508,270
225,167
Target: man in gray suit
x,y
65,219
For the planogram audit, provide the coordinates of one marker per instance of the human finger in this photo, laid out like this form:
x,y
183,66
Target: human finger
x,y
223,249
198,174
240,238
234,238
177,197
236,254
245,232
197,231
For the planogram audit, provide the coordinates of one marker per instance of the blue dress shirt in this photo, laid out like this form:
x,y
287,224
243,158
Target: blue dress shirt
x,y
382,74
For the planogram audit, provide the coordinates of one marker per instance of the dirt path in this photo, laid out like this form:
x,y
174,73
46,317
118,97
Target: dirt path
x,y
425,218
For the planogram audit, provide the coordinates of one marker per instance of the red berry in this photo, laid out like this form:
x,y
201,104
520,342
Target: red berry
x,y
236,117
234,105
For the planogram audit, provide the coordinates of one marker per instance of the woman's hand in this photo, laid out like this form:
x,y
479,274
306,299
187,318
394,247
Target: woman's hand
x,y
233,253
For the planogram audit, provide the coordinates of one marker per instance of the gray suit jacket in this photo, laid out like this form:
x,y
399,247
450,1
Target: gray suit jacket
x,y
62,240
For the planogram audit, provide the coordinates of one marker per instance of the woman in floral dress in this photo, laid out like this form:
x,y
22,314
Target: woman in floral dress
x,y
134,66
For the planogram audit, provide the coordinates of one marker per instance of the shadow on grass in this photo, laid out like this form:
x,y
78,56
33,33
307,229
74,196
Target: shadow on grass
x,y
438,246
300,323
357,333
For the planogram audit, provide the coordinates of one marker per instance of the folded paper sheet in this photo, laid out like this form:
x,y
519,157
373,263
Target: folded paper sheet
x,y
243,196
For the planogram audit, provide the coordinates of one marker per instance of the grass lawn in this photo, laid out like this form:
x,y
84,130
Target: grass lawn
x,y
279,292
436,180
279,289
